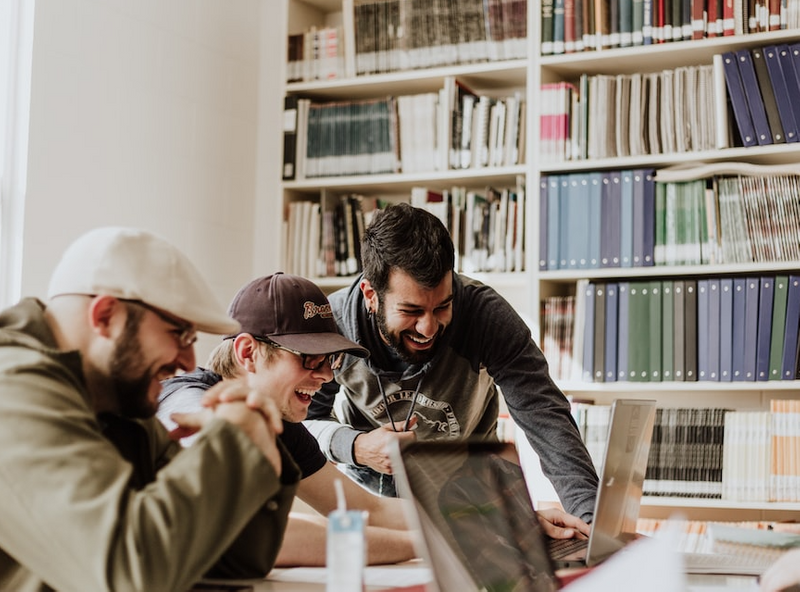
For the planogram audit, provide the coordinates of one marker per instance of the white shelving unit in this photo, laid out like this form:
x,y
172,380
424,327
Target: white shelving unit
x,y
491,78
737,395
526,289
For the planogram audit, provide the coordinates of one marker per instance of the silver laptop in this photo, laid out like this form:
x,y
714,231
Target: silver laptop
x,y
455,488
470,504
619,494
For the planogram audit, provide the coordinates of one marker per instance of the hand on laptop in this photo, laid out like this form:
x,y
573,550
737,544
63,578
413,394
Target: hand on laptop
x,y
557,524
371,448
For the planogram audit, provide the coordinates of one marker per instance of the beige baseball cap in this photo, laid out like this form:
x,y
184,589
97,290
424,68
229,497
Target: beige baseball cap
x,y
134,264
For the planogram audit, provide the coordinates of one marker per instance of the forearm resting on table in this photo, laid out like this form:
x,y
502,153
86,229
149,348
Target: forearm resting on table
x,y
305,539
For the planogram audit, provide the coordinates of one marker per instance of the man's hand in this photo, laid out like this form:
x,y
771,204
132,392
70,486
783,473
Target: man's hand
x,y
257,416
557,524
371,448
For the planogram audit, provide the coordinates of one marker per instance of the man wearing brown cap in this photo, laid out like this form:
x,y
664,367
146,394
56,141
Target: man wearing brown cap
x,y
95,495
287,348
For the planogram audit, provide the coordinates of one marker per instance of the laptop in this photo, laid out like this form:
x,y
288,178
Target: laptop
x,y
619,493
471,507
470,502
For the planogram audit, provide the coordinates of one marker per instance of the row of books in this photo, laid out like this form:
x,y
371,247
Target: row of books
x,y
570,26
597,219
323,237
558,328
454,128
763,84
315,54
487,227
739,219
391,35
632,218
715,453
379,36
607,116
761,460
711,329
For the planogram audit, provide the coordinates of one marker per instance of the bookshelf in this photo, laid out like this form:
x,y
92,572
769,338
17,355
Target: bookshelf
x,y
548,282
526,289
495,78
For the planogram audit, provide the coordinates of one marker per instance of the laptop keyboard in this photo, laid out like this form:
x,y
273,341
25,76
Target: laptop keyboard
x,y
562,547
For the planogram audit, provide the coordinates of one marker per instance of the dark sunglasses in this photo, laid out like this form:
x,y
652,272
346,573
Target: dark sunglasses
x,y
313,362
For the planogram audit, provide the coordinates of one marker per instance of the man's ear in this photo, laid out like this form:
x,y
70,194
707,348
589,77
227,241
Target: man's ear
x,y
246,347
102,311
370,295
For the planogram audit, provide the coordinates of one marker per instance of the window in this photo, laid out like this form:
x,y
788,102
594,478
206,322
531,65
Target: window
x,y
16,49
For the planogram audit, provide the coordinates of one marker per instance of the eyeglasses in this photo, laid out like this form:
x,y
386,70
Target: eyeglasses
x,y
313,362
185,333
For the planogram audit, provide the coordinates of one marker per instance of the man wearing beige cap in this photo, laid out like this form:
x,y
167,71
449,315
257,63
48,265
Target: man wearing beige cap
x,y
287,348
95,495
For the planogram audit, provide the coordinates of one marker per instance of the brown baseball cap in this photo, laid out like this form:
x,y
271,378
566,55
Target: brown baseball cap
x,y
293,312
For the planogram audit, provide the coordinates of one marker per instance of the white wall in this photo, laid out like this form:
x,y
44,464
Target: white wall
x,y
146,114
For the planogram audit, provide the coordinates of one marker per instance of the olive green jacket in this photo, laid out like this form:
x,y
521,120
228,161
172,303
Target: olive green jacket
x,y
105,503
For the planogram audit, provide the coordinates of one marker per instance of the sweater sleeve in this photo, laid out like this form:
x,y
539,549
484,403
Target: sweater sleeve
x,y
66,489
536,404
336,440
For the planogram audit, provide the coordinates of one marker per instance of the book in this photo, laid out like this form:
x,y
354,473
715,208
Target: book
x,y
546,41
587,365
626,219
611,331
738,328
783,96
648,198
581,223
553,222
702,332
690,330
752,289
678,330
764,330
755,103
611,219
638,332
564,222
543,222
768,96
595,217
698,20
641,218
790,335
791,78
623,329
778,330
714,329
726,329
289,137
721,99
738,100
667,331
599,361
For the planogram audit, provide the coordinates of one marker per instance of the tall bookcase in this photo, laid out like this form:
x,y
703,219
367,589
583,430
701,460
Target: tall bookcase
x,y
526,289
493,78
562,282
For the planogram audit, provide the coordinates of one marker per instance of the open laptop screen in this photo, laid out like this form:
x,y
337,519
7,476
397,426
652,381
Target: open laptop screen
x,y
475,497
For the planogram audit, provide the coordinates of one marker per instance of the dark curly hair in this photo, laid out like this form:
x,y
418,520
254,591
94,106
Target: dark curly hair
x,y
409,239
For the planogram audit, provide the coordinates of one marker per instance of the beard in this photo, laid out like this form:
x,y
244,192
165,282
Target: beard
x,y
398,345
131,392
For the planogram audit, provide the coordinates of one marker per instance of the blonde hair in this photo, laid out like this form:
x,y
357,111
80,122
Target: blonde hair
x,y
223,361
